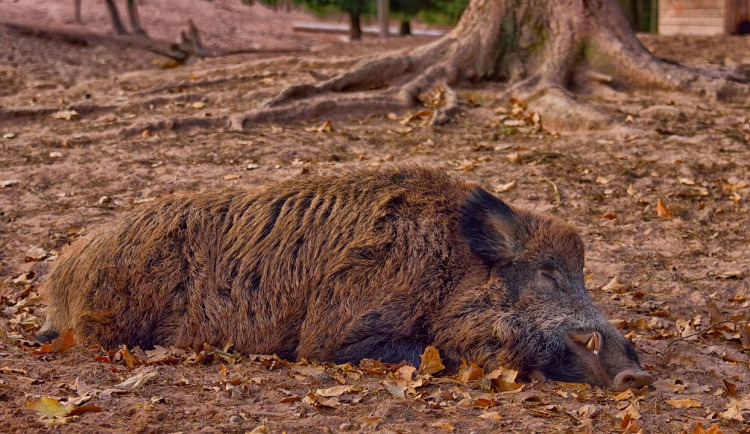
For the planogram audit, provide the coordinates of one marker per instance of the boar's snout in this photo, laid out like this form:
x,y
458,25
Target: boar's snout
x,y
632,378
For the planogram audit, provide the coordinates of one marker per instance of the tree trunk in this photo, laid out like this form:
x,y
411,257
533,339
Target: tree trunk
x,y
115,16
135,22
405,28
355,30
77,8
546,51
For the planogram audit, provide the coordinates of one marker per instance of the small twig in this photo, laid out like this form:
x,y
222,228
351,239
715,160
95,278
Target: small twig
x,y
261,414
700,332
558,197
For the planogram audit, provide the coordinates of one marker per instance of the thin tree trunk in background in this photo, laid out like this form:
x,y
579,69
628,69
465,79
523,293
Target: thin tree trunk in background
x,y
115,16
355,29
405,28
135,22
383,14
636,24
77,7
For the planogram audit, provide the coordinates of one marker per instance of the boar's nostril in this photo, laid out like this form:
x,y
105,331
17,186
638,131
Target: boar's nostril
x,y
631,379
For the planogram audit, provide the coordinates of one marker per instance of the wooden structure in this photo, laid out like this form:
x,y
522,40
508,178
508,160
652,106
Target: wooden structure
x,y
703,17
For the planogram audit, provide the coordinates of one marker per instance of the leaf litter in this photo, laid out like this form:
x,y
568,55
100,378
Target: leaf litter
x,y
655,257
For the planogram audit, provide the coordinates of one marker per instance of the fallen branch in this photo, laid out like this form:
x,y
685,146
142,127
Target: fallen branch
x,y
709,328
558,196
190,45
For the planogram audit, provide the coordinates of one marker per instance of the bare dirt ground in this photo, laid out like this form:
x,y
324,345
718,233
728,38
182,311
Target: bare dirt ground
x,y
661,199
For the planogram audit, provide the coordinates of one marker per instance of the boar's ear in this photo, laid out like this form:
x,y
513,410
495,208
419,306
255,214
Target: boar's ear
x,y
489,227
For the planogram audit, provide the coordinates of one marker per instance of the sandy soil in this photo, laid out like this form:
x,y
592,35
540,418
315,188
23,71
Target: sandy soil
x,y
678,274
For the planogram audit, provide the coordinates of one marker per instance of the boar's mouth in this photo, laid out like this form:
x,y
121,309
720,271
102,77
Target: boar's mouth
x,y
585,359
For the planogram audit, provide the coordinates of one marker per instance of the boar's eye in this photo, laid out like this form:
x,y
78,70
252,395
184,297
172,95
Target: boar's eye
x,y
551,276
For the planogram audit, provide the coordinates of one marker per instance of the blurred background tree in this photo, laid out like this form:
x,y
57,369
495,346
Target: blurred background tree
x,y
641,14
354,8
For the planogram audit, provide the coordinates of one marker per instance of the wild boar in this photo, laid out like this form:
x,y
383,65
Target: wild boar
x,y
371,264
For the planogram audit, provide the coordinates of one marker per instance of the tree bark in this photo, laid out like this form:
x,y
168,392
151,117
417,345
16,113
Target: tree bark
x,y
115,17
135,22
546,52
355,29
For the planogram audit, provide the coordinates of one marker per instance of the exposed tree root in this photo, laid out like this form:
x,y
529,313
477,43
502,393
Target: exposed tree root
x,y
248,72
20,113
318,107
175,124
545,51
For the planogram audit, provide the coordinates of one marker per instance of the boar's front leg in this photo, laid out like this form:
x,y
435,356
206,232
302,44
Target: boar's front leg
x,y
388,335
384,348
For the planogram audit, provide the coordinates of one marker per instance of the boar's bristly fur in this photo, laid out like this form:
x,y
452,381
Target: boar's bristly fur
x,y
372,264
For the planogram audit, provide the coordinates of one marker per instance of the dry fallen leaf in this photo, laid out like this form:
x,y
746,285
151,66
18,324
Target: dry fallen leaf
x,y
733,412
443,425
83,389
670,385
50,407
422,114
61,344
505,187
315,400
9,183
370,422
85,408
260,429
471,373
396,390
325,127
494,416
731,388
615,285
504,380
401,130
731,274
623,395
589,411
466,166
485,401
686,181
162,355
130,360
35,254
683,403
686,328
745,335
631,190
136,381
68,115
662,210
336,391
715,428
431,362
